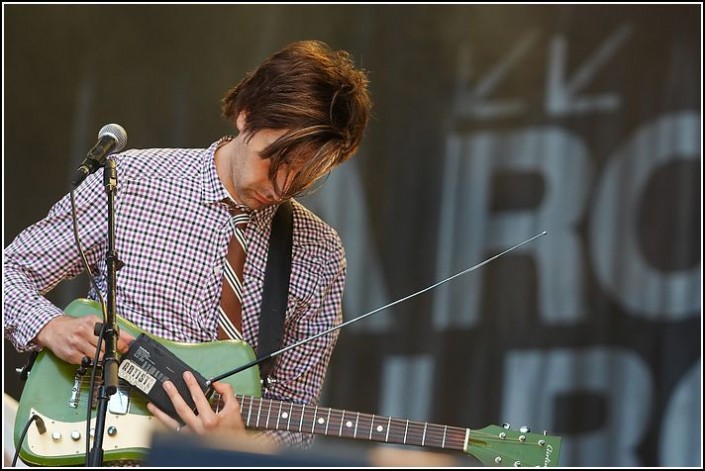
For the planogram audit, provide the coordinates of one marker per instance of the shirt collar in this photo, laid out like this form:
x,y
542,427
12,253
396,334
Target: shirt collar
x,y
214,192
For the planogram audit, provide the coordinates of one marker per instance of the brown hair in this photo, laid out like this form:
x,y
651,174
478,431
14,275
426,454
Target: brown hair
x,y
318,95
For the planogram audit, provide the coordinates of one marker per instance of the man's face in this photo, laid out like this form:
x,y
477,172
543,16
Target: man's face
x,y
249,172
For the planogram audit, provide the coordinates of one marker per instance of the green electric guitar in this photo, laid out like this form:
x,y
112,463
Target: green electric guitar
x,y
58,393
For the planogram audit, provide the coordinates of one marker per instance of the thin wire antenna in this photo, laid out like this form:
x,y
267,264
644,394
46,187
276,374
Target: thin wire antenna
x,y
352,321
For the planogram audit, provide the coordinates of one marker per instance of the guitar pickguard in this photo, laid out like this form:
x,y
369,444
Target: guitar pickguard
x,y
67,440
48,393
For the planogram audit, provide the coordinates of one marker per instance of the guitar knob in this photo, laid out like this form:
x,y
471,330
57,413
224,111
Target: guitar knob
x,y
517,464
524,429
506,425
56,436
75,435
112,431
498,460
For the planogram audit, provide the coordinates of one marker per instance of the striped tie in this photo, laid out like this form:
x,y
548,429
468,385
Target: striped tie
x,y
230,309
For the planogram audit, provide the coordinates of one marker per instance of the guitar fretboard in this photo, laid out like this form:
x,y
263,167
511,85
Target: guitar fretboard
x,y
270,414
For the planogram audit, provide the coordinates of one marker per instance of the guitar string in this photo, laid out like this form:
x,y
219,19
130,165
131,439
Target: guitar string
x,y
435,433
451,438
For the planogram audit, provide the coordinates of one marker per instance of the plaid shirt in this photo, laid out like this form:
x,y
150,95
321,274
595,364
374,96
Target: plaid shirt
x,y
172,234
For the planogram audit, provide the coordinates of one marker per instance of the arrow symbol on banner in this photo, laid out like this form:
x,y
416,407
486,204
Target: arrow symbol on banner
x,y
474,103
562,95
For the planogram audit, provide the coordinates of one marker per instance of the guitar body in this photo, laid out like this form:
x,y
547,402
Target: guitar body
x,y
48,393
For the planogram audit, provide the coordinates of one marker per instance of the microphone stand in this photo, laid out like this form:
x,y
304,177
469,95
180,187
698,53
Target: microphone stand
x,y
111,331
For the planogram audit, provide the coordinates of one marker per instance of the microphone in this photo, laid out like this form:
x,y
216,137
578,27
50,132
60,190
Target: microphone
x,y
111,138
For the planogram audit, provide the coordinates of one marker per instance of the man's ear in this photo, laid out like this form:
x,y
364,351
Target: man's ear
x,y
241,120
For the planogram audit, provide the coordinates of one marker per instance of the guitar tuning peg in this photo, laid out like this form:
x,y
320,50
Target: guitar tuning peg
x,y
506,426
524,429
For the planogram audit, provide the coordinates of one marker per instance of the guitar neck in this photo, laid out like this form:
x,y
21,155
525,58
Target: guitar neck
x,y
270,414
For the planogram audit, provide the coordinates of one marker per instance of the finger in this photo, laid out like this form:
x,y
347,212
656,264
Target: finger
x,y
84,335
182,409
124,342
227,393
88,328
199,398
162,416
231,403
175,396
89,349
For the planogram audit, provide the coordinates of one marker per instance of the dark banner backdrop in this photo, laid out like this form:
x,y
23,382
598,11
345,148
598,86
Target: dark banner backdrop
x,y
492,124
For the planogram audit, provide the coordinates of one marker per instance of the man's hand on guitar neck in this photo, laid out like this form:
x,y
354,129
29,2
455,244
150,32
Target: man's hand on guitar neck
x,y
72,338
226,421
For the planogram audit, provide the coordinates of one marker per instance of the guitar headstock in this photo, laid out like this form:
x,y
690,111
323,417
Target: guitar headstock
x,y
501,446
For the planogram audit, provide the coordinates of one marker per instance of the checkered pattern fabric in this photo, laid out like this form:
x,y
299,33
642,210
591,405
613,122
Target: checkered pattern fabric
x,y
173,234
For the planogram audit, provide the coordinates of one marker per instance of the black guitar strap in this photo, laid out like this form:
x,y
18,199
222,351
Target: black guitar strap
x,y
275,294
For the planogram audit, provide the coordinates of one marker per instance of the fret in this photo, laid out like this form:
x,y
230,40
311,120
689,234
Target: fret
x,y
259,410
411,435
379,428
249,413
397,431
434,435
303,410
389,425
349,428
313,426
423,438
342,420
327,422
417,433
291,412
406,430
357,420
311,415
279,414
269,411
445,431
364,424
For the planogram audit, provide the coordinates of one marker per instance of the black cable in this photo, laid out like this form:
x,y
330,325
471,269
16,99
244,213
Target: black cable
x,y
91,278
91,386
104,309
40,426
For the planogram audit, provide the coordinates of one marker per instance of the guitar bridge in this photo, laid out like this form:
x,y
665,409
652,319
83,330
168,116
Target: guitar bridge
x,y
75,391
78,382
